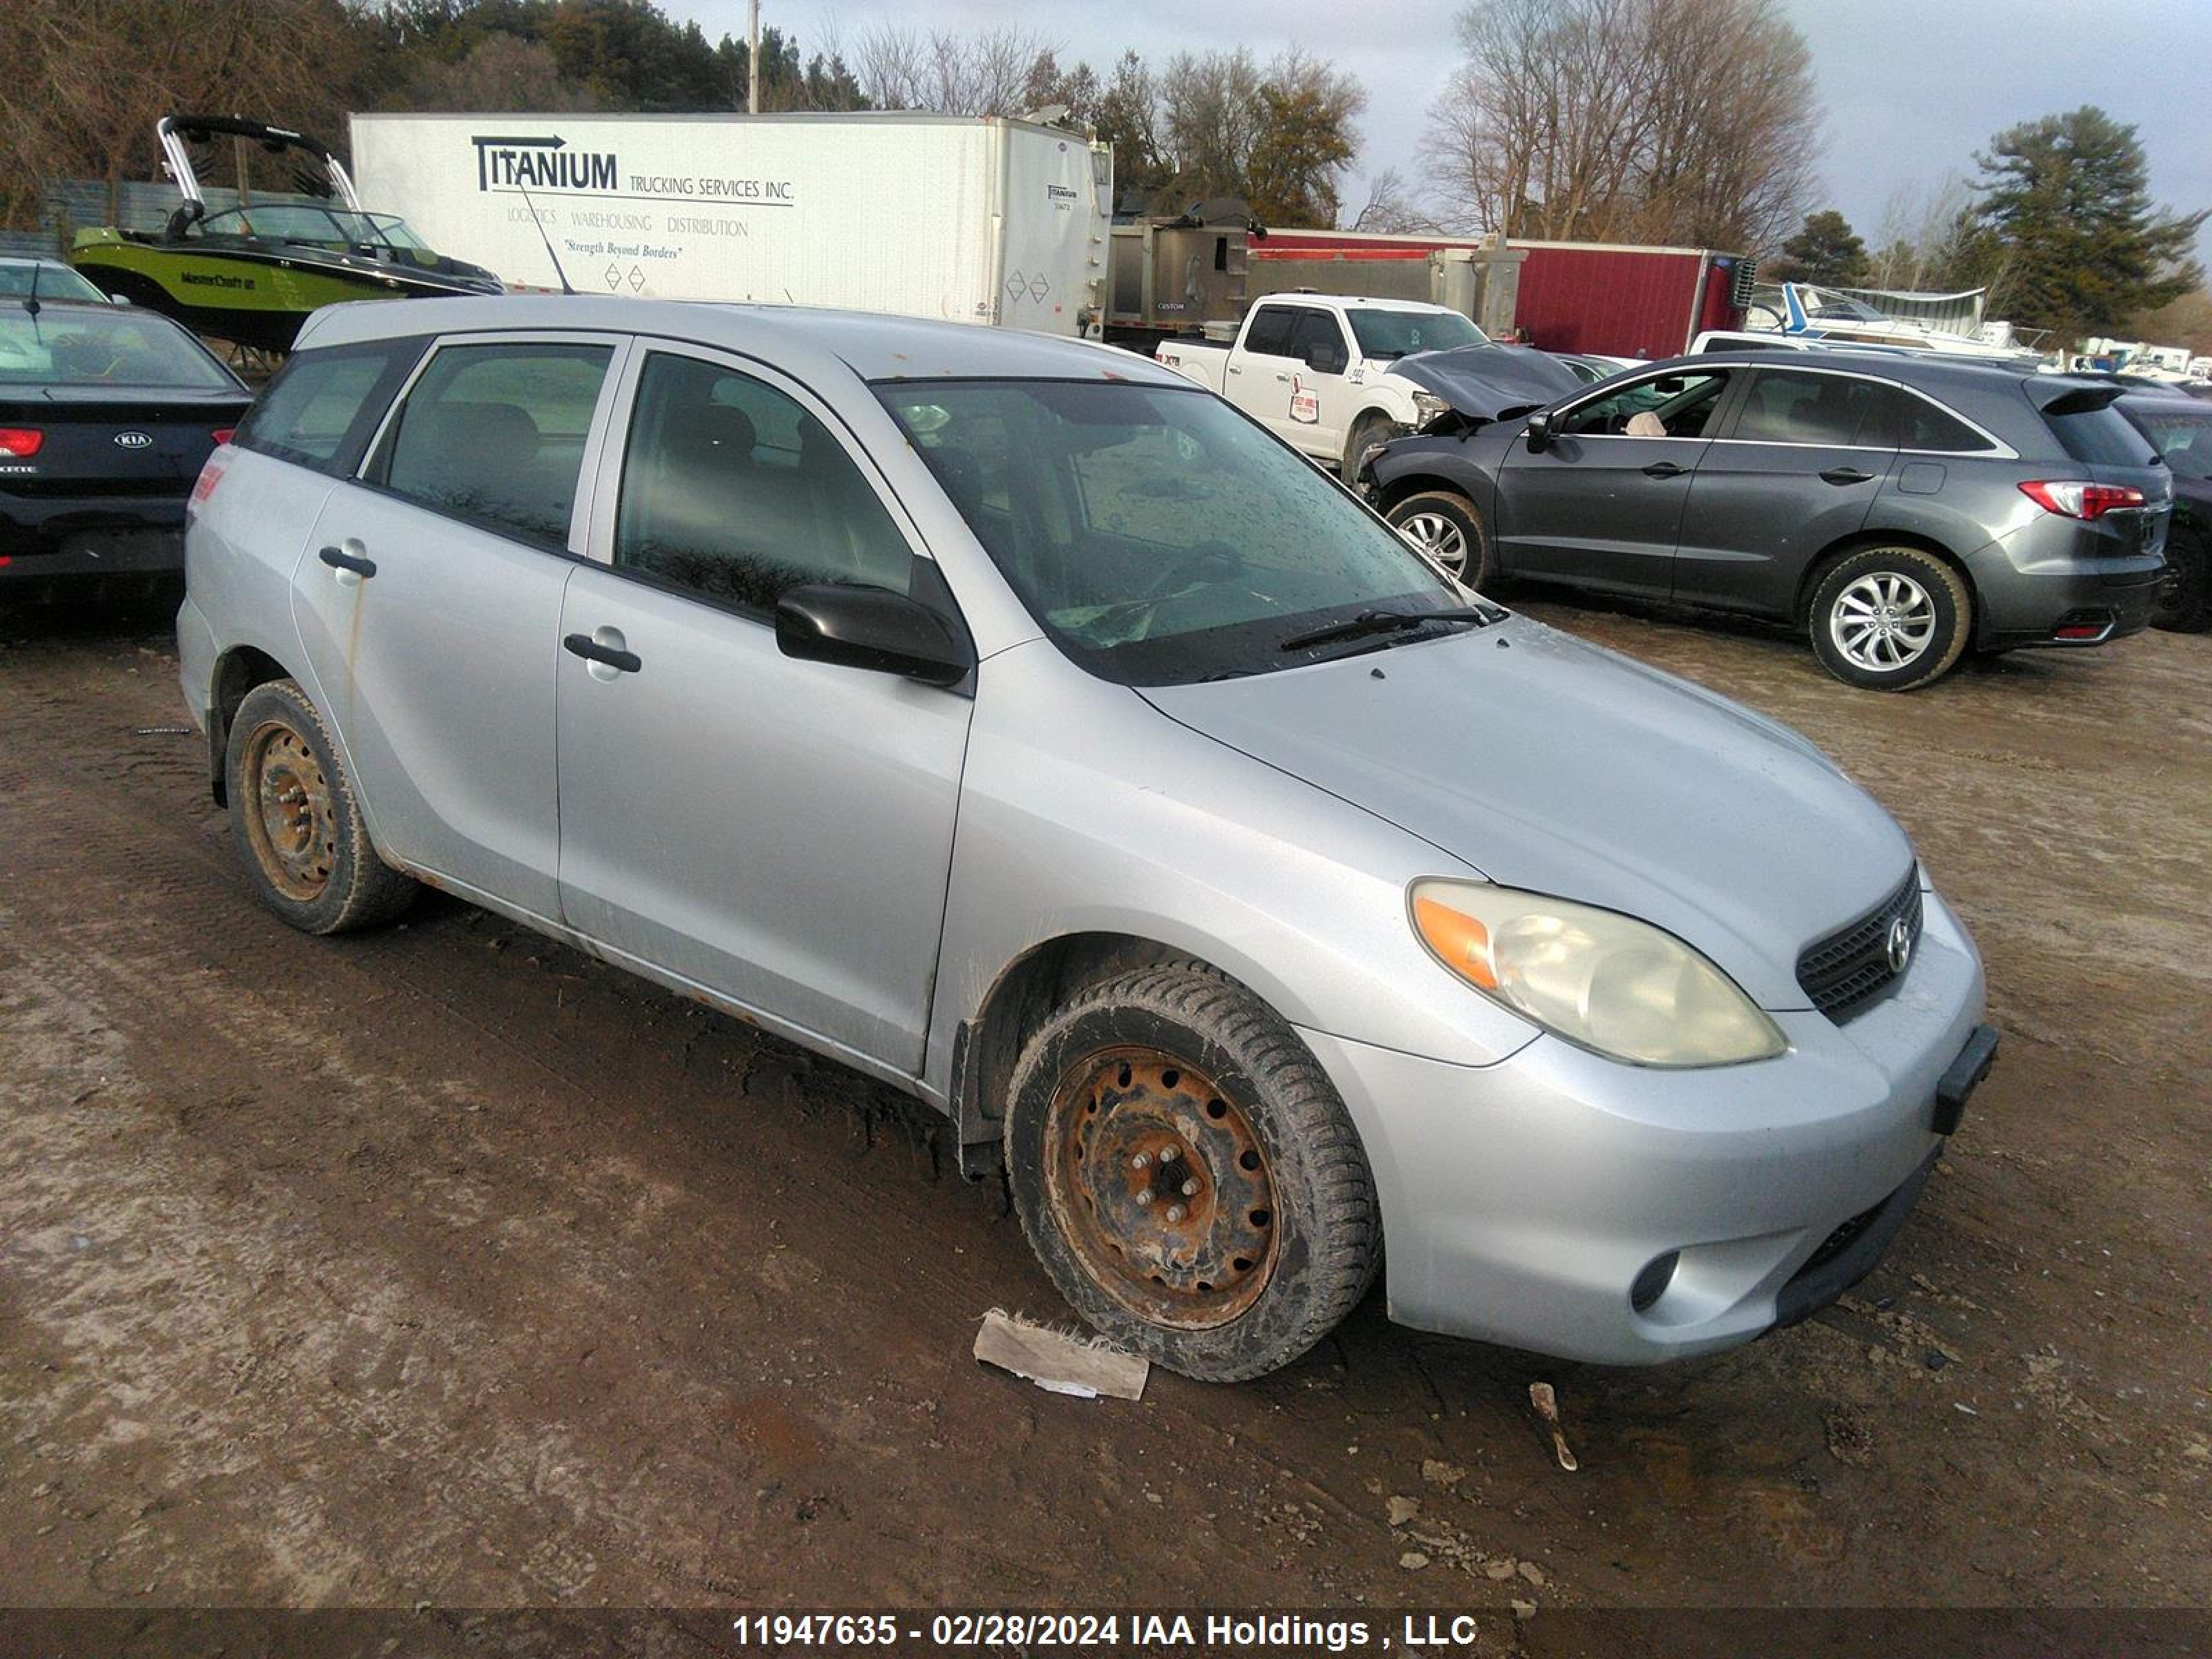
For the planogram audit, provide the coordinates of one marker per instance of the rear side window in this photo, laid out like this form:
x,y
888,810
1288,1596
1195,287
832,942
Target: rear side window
x,y
495,434
1270,333
2099,437
1922,425
1790,406
323,407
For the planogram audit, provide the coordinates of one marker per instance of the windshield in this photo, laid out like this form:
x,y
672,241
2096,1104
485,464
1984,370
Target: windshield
x,y
2183,436
55,282
1155,534
1390,334
110,346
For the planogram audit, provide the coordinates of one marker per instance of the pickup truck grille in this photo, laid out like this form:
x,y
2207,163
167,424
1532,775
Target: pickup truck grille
x,y
1852,967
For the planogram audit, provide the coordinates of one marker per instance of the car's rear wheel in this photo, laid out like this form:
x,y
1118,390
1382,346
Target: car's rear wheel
x,y
2185,589
292,809
1188,1176
1890,619
1449,528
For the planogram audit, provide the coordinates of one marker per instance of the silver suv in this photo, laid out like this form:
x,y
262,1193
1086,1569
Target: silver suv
x,y
1019,723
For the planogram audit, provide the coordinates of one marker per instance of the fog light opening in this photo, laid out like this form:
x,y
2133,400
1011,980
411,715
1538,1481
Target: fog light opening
x,y
1651,1284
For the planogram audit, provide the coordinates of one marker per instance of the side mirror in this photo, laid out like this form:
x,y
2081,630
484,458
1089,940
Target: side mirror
x,y
1539,432
1326,359
869,627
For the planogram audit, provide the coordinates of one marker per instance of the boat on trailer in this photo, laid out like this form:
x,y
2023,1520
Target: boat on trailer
x,y
254,273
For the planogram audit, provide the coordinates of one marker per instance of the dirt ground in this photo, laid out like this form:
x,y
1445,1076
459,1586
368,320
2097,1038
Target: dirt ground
x,y
445,1266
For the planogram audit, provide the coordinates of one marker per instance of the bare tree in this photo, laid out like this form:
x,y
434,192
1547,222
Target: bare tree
x,y
989,74
1389,210
88,79
1673,120
501,72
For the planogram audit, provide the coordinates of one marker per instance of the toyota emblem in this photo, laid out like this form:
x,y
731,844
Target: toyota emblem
x,y
1899,949
133,440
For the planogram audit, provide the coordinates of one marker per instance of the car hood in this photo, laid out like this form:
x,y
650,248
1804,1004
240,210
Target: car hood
x,y
1483,381
1554,766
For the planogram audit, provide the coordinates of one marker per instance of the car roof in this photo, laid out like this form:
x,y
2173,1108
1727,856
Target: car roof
x,y
1913,367
872,346
1352,301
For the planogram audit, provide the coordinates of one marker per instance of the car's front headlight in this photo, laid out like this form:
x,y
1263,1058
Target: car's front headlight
x,y
1604,981
1427,406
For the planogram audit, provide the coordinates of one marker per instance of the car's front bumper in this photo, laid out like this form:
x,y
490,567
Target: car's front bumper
x,y
1522,1200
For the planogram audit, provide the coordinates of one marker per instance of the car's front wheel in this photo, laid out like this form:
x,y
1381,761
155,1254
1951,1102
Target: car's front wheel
x,y
2184,587
1890,619
1188,1176
1449,528
294,818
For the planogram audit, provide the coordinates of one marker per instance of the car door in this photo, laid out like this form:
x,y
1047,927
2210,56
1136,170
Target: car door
x,y
777,833
1319,393
429,606
1796,471
1263,367
1600,504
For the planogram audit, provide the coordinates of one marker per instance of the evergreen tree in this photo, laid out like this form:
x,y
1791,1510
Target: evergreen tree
x,y
1827,252
2066,199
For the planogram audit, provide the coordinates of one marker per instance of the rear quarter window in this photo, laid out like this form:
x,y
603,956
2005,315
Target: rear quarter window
x,y
324,405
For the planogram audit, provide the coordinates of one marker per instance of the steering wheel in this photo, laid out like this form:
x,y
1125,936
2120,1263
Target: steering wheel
x,y
1209,560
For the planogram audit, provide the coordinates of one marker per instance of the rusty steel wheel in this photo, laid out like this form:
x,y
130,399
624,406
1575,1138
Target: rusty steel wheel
x,y
1187,1173
290,822
1162,1188
292,809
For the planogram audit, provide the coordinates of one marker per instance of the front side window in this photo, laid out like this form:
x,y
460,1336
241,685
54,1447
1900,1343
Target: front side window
x,y
324,405
1393,334
1792,406
732,491
1156,535
2184,436
1318,340
1677,405
495,434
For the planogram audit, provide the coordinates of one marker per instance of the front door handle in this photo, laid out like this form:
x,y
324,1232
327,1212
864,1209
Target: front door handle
x,y
1846,475
584,646
1664,469
338,559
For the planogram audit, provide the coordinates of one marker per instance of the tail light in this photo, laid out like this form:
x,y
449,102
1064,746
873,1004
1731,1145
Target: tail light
x,y
2075,498
223,434
204,486
21,442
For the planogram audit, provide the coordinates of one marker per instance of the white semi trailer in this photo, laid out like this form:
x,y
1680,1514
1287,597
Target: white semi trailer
x,y
988,220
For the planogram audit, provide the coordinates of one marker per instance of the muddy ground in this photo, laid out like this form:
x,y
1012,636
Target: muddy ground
x,y
445,1266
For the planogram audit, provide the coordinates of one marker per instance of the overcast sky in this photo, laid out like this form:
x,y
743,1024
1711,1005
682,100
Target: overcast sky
x,y
1911,89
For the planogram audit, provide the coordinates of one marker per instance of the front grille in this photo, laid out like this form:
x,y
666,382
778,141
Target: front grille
x,y
1850,968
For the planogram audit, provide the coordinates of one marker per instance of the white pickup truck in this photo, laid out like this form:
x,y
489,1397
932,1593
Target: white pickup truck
x,y
1316,369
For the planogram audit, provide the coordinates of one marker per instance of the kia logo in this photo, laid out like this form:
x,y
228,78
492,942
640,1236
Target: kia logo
x,y
1900,948
133,440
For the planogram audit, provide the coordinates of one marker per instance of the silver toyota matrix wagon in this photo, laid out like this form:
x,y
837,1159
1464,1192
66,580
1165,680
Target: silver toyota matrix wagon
x,y
1018,723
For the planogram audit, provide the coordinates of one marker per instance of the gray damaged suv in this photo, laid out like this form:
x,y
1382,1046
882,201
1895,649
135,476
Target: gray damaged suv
x,y
1902,509
1020,725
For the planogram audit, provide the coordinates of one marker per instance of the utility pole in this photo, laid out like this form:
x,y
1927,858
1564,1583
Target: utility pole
x,y
752,64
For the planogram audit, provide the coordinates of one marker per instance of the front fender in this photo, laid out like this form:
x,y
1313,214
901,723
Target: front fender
x,y
1085,810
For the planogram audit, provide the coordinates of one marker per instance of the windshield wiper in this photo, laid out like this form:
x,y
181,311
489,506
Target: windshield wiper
x,y
1391,622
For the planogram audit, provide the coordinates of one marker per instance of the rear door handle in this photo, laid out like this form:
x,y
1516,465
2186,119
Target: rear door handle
x,y
1664,469
1847,474
338,559
584,646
